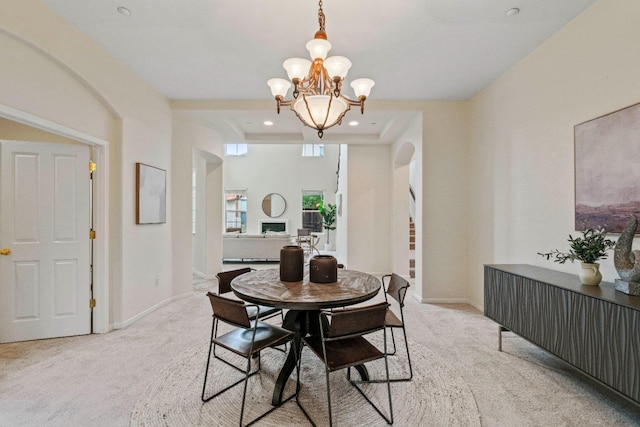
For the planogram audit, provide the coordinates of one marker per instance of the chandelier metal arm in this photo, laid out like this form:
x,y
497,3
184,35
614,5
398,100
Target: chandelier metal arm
x,y
337,81
359,102
296,85
281,102
317,82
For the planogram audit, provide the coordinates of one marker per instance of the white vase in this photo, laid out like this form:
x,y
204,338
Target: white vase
x,y
590,274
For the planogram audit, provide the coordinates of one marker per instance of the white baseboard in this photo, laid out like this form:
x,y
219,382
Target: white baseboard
x,y
132,320
478,307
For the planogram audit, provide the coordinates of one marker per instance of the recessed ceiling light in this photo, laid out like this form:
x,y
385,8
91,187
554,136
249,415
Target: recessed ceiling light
x,y
353,123
513,11
268,123
123,10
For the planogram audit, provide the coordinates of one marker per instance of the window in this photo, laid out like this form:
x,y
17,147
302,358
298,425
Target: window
x,y
236,210
311,217
313,150
236,150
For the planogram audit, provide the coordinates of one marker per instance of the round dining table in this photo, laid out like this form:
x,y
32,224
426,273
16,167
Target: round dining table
x,y
304,300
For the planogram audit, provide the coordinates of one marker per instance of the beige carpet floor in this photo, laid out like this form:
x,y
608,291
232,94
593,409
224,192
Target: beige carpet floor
x,y
110,379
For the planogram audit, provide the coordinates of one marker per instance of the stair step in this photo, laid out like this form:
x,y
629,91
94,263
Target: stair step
x,y
412,247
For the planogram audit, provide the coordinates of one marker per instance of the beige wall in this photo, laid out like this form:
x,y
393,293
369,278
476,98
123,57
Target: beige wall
x,y
444,208
521,186
369,208
193,142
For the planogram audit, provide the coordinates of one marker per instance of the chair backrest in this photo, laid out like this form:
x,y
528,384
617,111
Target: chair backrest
x,y
354,321
229,311
304,232
396,288
225,278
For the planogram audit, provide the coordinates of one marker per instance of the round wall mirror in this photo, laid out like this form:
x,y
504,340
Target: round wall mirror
x,y
273,205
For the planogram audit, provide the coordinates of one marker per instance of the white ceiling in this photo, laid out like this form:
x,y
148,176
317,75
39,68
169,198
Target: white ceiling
x,y
228,49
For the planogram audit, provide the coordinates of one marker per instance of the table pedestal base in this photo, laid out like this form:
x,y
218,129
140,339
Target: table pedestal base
x,y
302,323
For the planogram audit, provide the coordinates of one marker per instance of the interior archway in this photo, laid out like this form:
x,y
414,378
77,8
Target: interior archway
x,y
404,200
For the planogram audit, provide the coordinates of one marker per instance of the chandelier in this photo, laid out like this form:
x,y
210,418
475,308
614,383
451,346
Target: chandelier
x,y
317,85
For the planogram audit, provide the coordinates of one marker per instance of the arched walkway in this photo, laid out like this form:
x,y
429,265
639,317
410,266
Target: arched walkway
x,y
404,199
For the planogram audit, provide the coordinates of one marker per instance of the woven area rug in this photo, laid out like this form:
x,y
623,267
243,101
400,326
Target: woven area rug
x,y
436,397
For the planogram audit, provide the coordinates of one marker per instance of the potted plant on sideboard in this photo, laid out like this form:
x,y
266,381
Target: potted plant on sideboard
x,y
591,247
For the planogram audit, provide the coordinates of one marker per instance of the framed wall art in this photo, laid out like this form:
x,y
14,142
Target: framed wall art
x,y
607,170
151,195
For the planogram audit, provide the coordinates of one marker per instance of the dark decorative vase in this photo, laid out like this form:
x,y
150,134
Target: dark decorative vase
x,y
291,264
323,269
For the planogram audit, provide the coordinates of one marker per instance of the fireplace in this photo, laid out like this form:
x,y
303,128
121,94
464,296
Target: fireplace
x,y
268,225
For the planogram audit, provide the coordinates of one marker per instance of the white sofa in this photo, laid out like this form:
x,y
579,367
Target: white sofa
x,y
242,246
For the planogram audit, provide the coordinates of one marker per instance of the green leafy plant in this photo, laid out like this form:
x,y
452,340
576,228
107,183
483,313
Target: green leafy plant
x,y
311,201
328,215
592,246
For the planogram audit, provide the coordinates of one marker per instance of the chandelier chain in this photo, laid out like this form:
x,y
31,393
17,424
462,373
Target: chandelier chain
x,y
321,17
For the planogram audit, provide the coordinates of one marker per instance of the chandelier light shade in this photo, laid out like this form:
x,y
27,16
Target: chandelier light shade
x,y
323,109
318,100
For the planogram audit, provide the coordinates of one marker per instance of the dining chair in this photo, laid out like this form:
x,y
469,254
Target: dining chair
x,y
248,339
396,287
224,287
307,241
254,311
341,344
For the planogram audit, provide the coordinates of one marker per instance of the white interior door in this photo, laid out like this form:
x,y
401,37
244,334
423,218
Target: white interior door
x,y
44,223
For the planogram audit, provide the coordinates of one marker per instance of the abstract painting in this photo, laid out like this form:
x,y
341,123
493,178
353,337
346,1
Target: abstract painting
x,y
151,195
607,170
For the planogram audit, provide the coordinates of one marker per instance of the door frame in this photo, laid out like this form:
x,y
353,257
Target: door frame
x,y
100,206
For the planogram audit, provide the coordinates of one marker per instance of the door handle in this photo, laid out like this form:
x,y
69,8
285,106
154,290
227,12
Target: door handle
x,y
5,251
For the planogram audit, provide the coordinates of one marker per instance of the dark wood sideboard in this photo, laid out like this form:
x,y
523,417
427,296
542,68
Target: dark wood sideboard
x,y
594,328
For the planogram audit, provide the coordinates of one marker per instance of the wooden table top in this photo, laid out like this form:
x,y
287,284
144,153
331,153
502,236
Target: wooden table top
x,y
265,288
